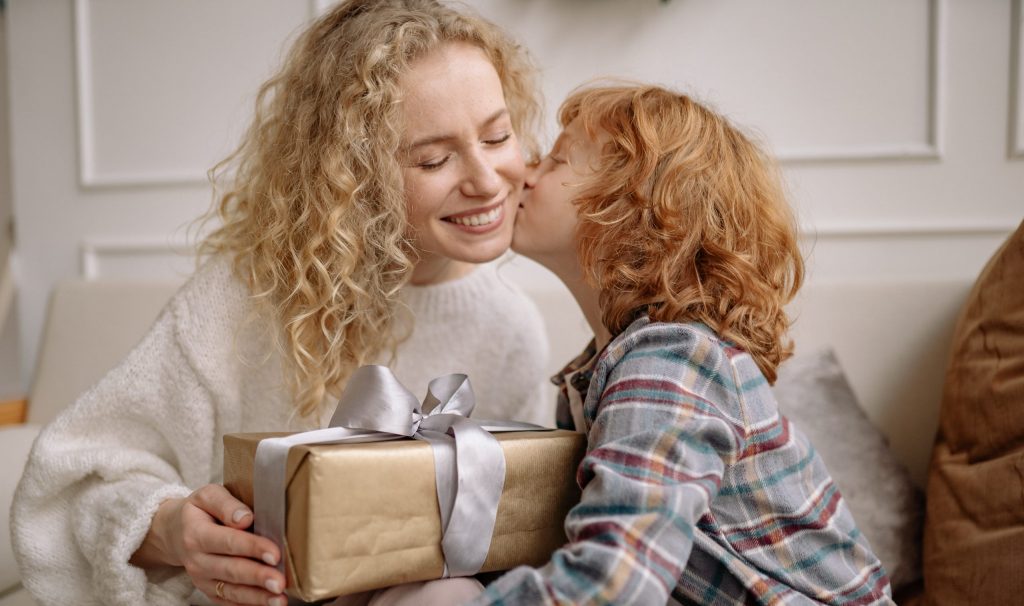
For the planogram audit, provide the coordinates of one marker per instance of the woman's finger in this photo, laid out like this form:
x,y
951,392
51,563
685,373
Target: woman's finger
x,y
215,549
241,572
231,594
215,500
212,595
222,540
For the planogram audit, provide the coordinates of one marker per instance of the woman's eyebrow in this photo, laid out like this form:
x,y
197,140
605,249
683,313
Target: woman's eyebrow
x,y
432,139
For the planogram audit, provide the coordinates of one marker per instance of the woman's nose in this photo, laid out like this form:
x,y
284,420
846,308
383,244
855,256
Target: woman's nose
x,y
482,179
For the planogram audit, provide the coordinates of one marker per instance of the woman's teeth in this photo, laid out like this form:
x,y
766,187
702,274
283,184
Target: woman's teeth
x,y
477,220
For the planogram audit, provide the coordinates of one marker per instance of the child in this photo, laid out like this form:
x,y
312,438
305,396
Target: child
x,y
672,232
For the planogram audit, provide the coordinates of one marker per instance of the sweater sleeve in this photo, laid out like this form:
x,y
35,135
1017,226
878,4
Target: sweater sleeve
x,y
656,455
97,474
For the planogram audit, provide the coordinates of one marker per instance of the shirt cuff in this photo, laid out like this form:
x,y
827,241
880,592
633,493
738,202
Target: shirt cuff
x,y
129,517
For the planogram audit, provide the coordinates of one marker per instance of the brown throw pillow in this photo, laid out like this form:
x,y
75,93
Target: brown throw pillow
x,y
974,527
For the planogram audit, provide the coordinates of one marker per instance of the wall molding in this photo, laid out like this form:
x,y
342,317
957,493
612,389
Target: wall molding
x,y
7,287
931,149
895,230
1015,122
88,176
94,249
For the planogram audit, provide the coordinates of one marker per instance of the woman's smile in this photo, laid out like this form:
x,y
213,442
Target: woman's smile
x,y
479,220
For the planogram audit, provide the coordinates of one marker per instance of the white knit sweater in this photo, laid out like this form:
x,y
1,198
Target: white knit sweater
x,y
152,428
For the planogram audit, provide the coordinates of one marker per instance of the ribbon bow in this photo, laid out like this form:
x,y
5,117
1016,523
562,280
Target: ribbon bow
x,y
468,461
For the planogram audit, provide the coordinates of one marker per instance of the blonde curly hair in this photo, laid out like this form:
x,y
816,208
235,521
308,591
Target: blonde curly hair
x,y
685,219
313,215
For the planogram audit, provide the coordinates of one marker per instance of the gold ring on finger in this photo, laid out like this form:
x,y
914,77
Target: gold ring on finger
x,y
220,590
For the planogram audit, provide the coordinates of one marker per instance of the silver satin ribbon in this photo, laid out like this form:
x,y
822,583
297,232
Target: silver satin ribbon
x,y
469,464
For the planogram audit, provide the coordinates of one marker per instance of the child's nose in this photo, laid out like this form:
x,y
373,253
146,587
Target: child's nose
x,y
532,172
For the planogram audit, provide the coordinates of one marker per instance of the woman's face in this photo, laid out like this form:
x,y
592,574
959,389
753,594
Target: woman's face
x,y
461,162
546,222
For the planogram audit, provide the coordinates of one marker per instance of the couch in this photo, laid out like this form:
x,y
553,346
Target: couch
x,y
890,339
89,327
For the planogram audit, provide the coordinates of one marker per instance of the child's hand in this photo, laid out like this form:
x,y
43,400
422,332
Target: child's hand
x,y
205,533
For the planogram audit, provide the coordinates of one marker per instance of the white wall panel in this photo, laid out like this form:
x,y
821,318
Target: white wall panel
x,y
10,373
821,80
166,86
1016,124
860,255
160,83
136,258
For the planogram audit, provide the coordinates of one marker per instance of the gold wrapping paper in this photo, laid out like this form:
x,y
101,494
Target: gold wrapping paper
x,y
365,516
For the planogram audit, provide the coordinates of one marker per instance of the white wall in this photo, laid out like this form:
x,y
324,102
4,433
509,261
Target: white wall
x,y
900,123
10,367
5,150
892,118
118,109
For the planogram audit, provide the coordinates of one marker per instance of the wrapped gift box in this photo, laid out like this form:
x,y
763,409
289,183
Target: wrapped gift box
x,y
364,516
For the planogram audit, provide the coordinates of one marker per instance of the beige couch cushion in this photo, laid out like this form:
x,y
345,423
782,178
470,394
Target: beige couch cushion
x,y
90,326
974,529
15,442
892,337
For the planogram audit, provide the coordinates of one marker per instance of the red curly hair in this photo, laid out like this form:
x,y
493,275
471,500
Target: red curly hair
x,y
685,219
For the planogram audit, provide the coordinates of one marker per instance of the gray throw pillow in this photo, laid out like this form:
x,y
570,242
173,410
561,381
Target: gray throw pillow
x,y
814,394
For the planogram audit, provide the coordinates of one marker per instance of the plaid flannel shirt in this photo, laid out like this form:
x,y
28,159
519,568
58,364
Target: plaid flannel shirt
x,y
695,489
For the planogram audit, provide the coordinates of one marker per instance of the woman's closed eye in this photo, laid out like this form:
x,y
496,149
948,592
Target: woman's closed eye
x,y
498,140
434,164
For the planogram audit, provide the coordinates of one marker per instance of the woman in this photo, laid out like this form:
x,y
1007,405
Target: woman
x,y
671,229
382,164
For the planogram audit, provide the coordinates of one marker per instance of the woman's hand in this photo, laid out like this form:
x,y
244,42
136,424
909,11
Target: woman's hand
x,y
205,534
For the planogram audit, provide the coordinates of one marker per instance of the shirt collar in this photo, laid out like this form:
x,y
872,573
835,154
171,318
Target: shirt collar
x,y
585,361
